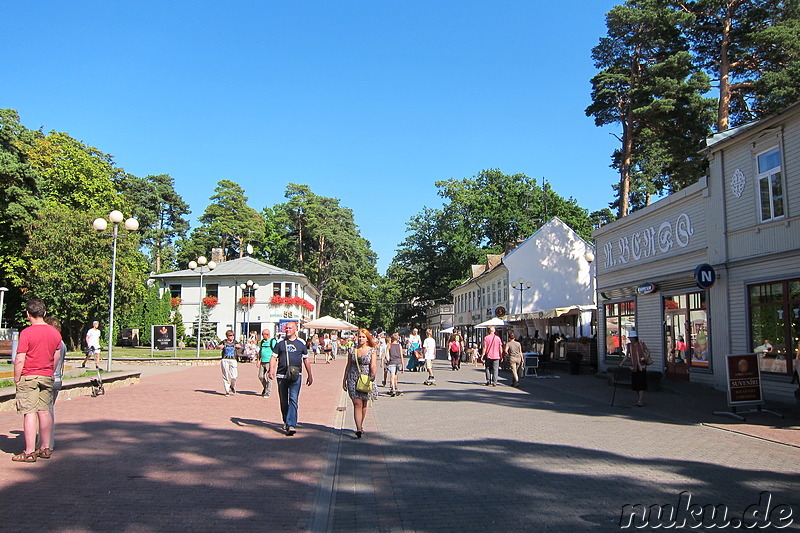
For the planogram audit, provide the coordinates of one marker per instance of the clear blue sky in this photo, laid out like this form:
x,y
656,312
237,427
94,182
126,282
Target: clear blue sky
x,y
367,101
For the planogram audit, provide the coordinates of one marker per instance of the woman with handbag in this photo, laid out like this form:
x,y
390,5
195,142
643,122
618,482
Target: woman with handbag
x,y
359,377
639,354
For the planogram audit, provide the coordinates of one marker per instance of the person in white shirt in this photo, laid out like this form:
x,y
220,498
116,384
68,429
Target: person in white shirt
x,y
93,344
429,346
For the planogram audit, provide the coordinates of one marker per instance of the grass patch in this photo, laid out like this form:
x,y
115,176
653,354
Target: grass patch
x,y
6,383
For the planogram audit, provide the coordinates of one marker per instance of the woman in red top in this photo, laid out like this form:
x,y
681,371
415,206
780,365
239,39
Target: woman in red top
x,y
637,352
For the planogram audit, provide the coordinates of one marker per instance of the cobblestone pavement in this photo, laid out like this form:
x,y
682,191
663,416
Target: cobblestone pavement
x,y
173,454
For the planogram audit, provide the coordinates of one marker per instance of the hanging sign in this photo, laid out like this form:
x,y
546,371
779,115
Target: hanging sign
x,y
646,288
705,276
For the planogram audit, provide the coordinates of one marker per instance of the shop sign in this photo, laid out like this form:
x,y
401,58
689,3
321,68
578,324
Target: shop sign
x,y
744,380
649,242
705,276
646,288
500,311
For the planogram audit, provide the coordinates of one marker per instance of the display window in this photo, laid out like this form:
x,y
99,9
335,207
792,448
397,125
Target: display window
x,y
686,336
620,318
775,324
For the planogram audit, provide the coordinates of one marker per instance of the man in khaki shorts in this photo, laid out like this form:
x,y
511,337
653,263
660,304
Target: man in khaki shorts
x,y
34,365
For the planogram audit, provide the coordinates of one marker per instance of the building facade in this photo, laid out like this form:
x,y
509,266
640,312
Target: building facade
x,y
280,296
713,269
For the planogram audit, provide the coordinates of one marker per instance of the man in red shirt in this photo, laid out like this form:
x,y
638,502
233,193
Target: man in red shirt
x,y
34,366
492,352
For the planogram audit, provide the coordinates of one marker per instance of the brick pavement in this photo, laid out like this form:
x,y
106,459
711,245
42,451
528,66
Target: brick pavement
x,y
172,453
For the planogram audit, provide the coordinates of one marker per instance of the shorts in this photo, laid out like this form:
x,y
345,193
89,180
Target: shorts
x,y
428,364
93,350
392,369
34,393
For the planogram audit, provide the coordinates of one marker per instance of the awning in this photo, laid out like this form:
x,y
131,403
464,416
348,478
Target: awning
x,y
551,313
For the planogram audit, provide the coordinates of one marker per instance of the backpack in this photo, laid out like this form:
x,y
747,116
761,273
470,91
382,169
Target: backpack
x,y
454,347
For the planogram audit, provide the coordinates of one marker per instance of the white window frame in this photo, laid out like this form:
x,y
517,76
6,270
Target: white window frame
x,y
768,177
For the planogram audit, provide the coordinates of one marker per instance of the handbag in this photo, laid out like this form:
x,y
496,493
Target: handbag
x,y
292,372
363,383
648,359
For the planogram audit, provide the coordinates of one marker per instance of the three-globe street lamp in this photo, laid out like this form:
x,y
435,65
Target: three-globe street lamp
x,y
101,224
201,263
347,307
521,285
248,291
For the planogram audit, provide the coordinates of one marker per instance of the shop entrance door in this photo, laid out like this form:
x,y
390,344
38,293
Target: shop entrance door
x,y
675,325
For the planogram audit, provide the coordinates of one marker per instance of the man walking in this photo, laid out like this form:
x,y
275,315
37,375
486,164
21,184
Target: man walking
x,y
492,350
34,366
286,365
93,344
230,368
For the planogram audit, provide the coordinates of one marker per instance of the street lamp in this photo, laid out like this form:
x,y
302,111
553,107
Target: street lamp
x,y
101,224
3,291
521,285
347,307
209,266
248,291
589,257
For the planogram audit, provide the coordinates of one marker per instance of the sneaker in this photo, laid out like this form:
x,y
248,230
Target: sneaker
x,y
227,394
233,391
290,432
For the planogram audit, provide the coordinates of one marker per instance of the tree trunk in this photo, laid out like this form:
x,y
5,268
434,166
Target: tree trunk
x,y
724,107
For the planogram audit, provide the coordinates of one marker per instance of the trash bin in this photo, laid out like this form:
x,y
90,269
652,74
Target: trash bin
x,y
574,359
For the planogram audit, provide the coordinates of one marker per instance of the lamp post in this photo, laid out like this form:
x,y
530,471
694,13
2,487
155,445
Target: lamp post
x,y
248,291
521,285
101,224
347,307
589,257
201,263
3,291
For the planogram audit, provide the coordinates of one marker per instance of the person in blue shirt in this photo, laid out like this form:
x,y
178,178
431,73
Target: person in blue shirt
x,y
230,368
266,348
291,355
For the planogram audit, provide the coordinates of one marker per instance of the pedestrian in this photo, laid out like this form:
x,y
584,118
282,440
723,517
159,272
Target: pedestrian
x,y
93,344
230,368
290,357
34,367
637,351
513,350
383,356
363,361
454,348
327,348
58,376
395,363
266,349
492,351
429,347
334,346
414,343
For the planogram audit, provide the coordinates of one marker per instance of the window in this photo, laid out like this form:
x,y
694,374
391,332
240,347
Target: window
x,y
775,324
276,289
620,319
686,334
770,184
287,289
212,289
175,291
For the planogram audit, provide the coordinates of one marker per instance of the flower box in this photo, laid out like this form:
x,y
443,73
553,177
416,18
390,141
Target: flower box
x,y
210,301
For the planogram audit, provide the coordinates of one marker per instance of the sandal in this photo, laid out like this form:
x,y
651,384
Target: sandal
x,y
44,453
24,457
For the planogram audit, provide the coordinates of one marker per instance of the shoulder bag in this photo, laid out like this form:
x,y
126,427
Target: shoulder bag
x,y
292,372
363,384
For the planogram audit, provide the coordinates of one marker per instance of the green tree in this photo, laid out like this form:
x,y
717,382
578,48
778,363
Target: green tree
x,y
161,213
21,197
319,238
157,310
68,265
228,223
752,50
649,85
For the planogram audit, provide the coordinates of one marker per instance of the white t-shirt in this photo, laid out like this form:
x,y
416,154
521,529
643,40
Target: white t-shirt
x,y
430,348
93,338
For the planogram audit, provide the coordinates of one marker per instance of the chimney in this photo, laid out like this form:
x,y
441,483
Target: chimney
x,y
217,255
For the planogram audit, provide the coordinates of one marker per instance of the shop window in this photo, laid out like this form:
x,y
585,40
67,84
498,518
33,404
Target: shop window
x,y
686,336
770,184
775,324
620,319
175,291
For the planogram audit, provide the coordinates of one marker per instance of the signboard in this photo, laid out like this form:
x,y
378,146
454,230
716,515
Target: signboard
x,y
646,288
705,276
500,311
162,338
744,380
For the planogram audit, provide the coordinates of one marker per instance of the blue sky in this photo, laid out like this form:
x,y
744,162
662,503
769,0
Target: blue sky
x,y
370,102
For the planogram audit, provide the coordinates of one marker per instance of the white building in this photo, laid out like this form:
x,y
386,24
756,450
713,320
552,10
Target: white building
x,y
555,294
281,296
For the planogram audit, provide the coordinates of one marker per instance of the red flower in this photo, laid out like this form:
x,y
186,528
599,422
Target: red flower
x,y
210,301
291,300
176,302
245,301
